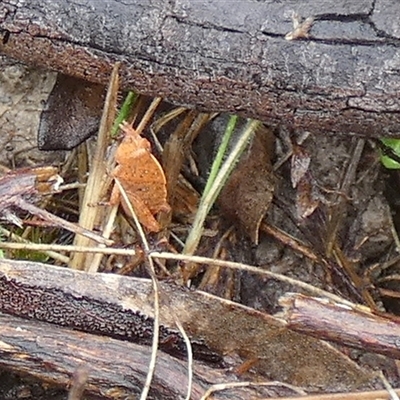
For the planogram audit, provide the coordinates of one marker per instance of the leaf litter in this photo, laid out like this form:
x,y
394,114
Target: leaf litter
x,y
323,159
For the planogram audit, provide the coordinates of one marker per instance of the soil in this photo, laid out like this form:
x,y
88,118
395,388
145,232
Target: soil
x,y
352,205
23,91
364,228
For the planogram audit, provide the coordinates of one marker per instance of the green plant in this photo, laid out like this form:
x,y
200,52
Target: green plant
x,y
218,176
390,153
123,114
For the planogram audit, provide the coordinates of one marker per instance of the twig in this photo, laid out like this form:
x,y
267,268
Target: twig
x,y
50,253
224,386
67,248
249,268
355,326
54,220
156,326
371,395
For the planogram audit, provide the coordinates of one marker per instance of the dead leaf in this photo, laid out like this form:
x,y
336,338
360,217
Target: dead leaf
x,y
142,177
307,199
248,193
27,180
71,115
300,163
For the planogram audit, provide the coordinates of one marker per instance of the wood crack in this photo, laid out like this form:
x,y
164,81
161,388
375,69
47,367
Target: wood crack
x,y
183,63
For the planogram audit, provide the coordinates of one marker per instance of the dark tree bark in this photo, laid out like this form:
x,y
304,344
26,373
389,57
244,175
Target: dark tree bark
x,y
121,307
228,56
358,328
115,369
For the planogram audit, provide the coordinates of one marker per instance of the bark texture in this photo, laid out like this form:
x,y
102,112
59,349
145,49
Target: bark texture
x,y
115,369
358,328
121,307
228,56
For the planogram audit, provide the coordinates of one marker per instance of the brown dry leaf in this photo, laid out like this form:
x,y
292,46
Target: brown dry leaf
x,y
300,163
248,193
71,115
306,199
306,196
142,177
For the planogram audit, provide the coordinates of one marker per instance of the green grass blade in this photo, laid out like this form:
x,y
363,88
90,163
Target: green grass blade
x,y
124,112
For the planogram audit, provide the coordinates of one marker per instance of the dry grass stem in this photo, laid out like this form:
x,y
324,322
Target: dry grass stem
x,y
214,271
338,211
78,383
371,395
98,174
255,270
178,257
97,258
189,354
156,289
290,241
151,270
60,222
147,116
231,385
207,201
66,248
55,256
388,386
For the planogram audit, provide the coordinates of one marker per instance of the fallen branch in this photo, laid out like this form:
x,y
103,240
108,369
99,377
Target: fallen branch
x,y
121,307
115,369
351,326
340,75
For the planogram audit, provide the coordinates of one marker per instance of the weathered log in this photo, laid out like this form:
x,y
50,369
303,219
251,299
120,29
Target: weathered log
x,y
121,307
356,327
115,369
228,56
